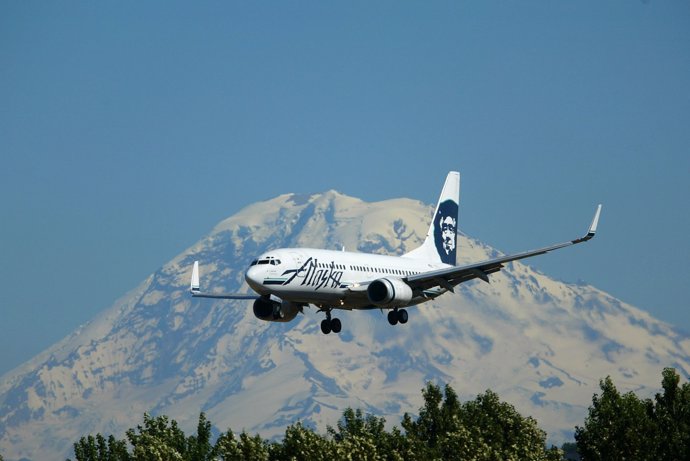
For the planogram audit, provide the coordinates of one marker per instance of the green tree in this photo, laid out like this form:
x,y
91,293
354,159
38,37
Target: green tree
x,y
227,447
158,439
303,444
437,418
199,446
446,429
362,437
428,426
626,427
482,429
253,448
617,427
246,448
501,427
92,448
570,451
672,418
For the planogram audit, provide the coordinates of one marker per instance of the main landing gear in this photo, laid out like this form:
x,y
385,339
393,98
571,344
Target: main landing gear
x,y
328,324
397,316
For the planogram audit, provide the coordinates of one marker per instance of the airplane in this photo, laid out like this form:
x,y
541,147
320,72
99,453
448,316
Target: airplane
x,y
288,279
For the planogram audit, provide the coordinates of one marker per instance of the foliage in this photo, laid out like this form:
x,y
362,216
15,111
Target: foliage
x,y
98,449
364,437
570,451
301,443
230,448
481,429
158,439
672,418
623,427
618,426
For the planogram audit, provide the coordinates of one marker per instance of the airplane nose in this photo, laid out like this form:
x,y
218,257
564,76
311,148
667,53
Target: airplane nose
x,y
252,277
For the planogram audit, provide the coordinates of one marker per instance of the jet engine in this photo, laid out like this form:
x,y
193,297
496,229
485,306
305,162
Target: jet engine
x,y
272,310
389,292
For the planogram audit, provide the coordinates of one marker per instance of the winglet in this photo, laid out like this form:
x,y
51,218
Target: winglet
x,y
595,221
593,227
194,286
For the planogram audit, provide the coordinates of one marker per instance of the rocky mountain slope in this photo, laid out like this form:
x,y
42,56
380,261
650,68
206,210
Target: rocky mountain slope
x,y
541,344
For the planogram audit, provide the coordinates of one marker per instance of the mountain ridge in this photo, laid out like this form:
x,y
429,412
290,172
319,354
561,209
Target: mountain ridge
x,y
539,343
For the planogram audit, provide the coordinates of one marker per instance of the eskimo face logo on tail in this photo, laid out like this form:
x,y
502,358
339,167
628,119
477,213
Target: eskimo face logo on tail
x,y
445,231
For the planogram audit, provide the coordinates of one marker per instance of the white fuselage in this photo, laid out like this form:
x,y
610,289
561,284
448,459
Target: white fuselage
x,y
329,278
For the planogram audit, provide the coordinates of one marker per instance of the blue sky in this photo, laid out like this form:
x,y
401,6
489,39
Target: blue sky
x,y
128,129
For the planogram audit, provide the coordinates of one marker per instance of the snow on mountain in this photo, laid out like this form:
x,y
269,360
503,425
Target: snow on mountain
x,y
541,344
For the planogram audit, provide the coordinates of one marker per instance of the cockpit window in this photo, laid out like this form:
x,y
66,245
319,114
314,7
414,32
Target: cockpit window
x,y
254,262
273,261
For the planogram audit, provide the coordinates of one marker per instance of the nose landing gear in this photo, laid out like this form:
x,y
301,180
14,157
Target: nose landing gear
x,y
330,324
397,316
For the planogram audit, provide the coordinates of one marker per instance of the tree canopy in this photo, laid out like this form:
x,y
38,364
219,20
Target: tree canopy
x,y
617,427
445,429
624,427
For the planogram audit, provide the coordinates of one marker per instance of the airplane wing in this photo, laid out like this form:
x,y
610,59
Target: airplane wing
x,y
450,277
194,289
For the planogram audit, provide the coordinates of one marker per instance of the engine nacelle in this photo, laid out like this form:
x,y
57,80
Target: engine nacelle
x,y
275,311
389,292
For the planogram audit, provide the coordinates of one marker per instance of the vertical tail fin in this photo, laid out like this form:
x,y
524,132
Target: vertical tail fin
x,y
440,243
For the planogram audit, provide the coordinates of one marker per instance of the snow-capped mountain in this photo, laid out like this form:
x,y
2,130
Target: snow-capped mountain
x,y
541,344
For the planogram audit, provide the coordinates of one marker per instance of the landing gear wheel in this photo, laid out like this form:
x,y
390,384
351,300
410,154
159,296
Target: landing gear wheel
x,y
402,316
326,326
393,317
336,325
